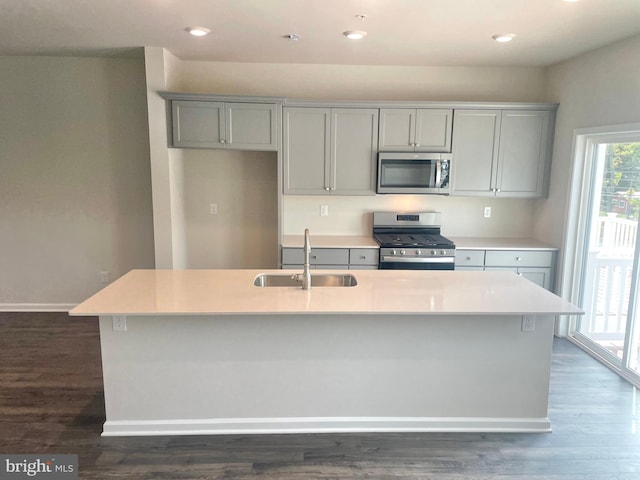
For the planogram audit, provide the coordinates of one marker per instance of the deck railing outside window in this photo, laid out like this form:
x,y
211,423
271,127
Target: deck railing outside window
x,y
608,281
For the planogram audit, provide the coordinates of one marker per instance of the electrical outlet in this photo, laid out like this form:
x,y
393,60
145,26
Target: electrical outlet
x,y
528,323
213,209
119,323
487,212
104,277
324,210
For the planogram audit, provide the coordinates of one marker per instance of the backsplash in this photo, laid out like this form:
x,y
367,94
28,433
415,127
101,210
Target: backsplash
x,y
461,216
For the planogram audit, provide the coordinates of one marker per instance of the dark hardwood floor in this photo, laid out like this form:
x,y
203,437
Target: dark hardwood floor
x,y
51,402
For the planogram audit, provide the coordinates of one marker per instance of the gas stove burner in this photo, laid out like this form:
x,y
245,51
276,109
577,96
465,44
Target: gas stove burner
x,y
411,240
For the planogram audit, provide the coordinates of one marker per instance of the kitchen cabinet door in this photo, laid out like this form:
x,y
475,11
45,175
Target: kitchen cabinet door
x,y
397,130
306,150
523,153
197,124
251,126
415,130
475,152
501,153
354,137
241,126
433,130
539,276
330,151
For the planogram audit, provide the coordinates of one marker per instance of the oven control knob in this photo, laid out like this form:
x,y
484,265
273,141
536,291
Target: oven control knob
x,y
403,252
393,252
443,252
418,252
433,252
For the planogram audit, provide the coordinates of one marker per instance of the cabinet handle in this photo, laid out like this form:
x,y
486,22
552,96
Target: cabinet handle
x,y
327,188
222,141
468,259
363,257
518,259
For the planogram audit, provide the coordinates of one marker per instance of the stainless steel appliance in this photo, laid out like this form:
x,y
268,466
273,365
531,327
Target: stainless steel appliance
x,y
412,241
413,173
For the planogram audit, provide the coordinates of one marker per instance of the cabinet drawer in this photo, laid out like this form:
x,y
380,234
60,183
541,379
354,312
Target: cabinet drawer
x,y
318,256
363,256
518,258
469,258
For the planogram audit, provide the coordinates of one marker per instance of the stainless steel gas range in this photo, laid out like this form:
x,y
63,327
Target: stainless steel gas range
x,y
412,241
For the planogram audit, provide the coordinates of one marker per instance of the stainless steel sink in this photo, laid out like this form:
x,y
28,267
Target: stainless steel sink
x,y
317,280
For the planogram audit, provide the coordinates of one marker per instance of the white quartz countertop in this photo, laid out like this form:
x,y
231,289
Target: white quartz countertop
x,y
489,243
229,292
330,241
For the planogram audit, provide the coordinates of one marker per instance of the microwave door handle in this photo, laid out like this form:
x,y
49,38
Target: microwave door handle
x,y
438,173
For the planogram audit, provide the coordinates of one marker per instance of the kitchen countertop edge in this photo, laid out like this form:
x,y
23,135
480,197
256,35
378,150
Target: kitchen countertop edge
x,y
379,292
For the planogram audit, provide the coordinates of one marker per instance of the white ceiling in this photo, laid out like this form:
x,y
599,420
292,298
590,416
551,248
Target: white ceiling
x,y
400,32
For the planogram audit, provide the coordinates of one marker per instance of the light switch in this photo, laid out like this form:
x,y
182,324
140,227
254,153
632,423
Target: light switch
x,y
324,210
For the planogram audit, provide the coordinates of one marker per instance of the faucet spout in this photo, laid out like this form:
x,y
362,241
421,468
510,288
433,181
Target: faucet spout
x,y
306,274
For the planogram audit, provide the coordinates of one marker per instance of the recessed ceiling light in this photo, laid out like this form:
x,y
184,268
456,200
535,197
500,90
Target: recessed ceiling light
x,y
198,31
504,37
354,34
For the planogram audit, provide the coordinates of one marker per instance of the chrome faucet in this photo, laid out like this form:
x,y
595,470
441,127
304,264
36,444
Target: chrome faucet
x,y
305,277
306,274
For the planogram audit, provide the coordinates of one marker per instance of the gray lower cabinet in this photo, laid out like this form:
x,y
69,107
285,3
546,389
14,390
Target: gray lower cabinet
x,y
332,258
329,151
415,130
242,126
501,153
469,260
535,265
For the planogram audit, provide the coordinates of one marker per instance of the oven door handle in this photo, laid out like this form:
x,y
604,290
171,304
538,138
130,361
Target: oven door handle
x,y
419,260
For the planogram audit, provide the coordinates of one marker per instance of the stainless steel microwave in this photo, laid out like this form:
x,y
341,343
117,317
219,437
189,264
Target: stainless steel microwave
x,y
413,173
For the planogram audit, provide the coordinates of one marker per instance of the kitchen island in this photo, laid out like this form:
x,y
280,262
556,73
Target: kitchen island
x,y
207,352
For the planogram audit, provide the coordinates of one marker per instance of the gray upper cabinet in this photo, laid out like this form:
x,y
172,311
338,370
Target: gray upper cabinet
x,y
330,151
251,126
502,153
197,124
524,149
415,130
242,126
474,151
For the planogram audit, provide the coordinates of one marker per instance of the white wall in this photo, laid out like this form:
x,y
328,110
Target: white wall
x,y
461,216
598,88
362,82
75,190
244,186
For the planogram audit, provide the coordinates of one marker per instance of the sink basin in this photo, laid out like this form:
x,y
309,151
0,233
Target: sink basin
x,y
317,280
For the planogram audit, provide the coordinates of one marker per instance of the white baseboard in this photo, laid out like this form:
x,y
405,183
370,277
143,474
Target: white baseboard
x,y
36,307
234,426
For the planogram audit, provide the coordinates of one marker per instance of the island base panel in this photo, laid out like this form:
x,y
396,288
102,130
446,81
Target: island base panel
x,y
325,373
